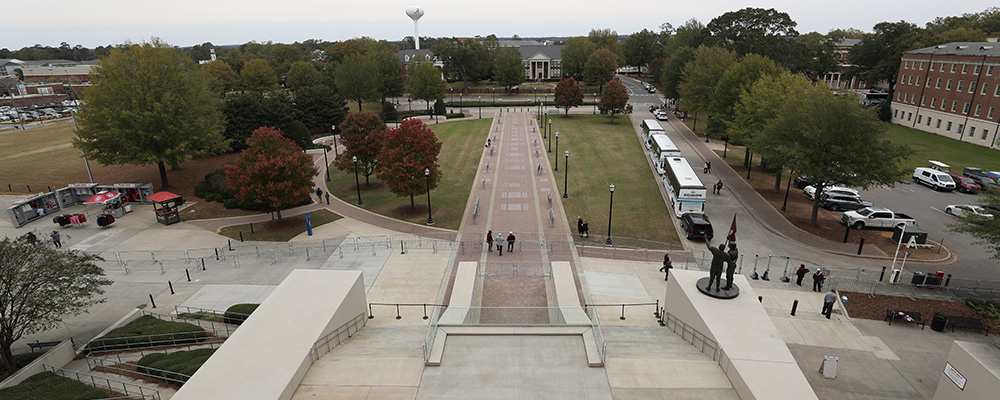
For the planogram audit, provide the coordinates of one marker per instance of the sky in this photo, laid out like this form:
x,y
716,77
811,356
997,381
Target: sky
x,y
191,22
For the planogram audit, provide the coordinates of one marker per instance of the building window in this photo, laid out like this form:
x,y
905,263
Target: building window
x,y
959,87
920,119
902,79
923,101
928,83
954,105
965,108
910,80
949,127
921,65
985,131
972,87
965,68
934,102
918,80
944,104
909,116
895,113
937,85
948,86
997,91
932,66
907,65
938,125
972,132
928,121
906,98
976,71
986,88
989,70
953,66
991,112
899,96
942,67
979,109
961,129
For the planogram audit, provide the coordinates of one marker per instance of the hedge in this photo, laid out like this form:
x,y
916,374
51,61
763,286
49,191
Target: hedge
x,y
238,313
140,333
49,386
174,365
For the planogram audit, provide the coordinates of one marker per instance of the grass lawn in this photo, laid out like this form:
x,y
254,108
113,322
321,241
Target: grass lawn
x,y
49,386
594,145
279,231
929,146
371,106
462,145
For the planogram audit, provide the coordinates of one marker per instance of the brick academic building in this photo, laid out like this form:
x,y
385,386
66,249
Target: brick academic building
x,y
952,90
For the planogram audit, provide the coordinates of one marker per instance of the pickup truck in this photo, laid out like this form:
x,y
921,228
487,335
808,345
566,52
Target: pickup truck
x,y
871,217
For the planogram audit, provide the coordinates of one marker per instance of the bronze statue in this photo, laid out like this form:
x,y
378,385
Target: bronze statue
x,y
731,267
719,257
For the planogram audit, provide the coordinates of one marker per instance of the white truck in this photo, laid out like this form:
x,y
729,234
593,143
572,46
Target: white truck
x,y
871,217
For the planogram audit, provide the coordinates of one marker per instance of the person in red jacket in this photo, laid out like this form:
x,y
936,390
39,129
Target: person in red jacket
x,y
818,279
510,242
801,272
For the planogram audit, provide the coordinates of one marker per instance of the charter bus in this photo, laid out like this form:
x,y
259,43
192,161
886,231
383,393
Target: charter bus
x,y
660,148
651,127
685,190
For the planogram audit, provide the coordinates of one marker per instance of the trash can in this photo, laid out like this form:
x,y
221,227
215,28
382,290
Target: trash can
x,y
938,323
918,278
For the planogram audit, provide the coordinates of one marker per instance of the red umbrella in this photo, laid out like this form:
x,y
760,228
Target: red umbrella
x,y
102,198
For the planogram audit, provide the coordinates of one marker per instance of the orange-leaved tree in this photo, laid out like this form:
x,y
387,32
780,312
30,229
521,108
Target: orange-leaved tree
x,y
361,134
272,170
568,94
614,99
406,152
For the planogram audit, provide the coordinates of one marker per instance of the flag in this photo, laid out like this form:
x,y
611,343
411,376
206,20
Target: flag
x,y
732,231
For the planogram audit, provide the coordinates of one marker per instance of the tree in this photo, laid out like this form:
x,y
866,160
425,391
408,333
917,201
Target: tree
x,y
272,170
834,139
319,107
362,135
568,94
607,39
356,79
641,48
508,69
985,230
466,58
406,152
575,56
672,73
258,76
221,77
601,67
737,79
424,82
39,286
390,71
302,74
877,57
247,112
755,30
614,98
150,105
815,55
702,74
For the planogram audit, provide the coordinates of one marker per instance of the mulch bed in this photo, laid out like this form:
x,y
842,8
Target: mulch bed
x,y
860,305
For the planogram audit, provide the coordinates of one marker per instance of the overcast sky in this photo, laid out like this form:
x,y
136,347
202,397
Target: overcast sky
x,y
190,22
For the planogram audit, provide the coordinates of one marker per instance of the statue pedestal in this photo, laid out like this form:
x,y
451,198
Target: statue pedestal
x,y
721,294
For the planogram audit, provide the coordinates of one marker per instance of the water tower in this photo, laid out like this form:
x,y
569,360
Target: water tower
x,y
415,12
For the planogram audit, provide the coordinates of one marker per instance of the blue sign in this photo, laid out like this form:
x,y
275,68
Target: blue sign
x,y
309,227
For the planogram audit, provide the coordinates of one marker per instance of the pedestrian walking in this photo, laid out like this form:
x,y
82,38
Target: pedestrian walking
x,y
327,198
818,279
510,242
704,169
500,243
579,225
586,228
32,239
828,300
489,241
715,188
56,239
667,265
319,195
719,184
709,164
801,272
489,142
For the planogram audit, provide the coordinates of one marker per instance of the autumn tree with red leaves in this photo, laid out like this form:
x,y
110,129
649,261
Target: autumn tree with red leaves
x,y
614,98
406,152
568,94
362,135
272,170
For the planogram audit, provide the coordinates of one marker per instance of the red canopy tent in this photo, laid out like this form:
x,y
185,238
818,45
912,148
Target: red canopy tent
x,y
102,198
168,203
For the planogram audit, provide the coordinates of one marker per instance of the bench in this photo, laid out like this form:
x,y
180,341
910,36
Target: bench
x,y
966,323
39,345
900,316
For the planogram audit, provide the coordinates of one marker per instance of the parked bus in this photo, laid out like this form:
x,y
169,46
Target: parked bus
x,y
685,190
660,148
651,127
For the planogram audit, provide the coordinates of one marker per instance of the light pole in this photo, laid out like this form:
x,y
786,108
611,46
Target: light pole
x,y
326,161
427,174
557,151
566,176
726,149
494,90
610,208
545,131
77,130
550,137
595,103
784,206
480,107
357,183
451,91
461,103
409,106
749,164
336,153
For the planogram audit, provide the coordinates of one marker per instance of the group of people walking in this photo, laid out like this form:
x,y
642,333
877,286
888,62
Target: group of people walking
x,y
582,227
818,277
499,241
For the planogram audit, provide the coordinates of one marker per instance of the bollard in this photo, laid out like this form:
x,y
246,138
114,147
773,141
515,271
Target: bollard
x,y
251,227
370,315
656,313
230,241
768,269
861,245
881,276
216,258
425,311
397,312
623,313
754,275
241,236
795,304
29,188
784,275
760,299
663,317
50,187
847,233
402,247
947,280
203,263
151,301
188,274
171,285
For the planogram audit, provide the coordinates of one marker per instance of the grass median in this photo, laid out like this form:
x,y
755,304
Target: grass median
x,y
602,154
278,231
462,146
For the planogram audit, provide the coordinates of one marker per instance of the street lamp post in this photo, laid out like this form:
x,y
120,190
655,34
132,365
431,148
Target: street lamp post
x,y
357,183
77,130
480,107
494,90
566,176
545,131
726,149
595,103
749,164
784,206
557,151
550,136
427,174
409,106
326,161
610,208
461,103
336,152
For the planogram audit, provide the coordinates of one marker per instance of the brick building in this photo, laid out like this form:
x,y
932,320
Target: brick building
x,y
951,90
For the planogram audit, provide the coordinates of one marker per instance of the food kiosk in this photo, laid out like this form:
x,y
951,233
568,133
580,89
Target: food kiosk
x,y
32,207
165,206
75,193
132,193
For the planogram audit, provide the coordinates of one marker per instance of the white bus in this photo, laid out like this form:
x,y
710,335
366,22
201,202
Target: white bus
x,y
685,190
651,127
660,148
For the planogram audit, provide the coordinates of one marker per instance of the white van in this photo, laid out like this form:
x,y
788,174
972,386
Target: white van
x,y
936,179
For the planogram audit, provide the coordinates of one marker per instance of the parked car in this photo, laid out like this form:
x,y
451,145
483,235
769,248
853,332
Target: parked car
x,y
872,217
937,180
839,202
965,184
982,179
696,225
966,209
810,191
802,181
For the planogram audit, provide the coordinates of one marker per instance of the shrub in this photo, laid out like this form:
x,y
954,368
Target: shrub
x,y
238,313
49,386
232,203
148,331
454,115
171,366
388,112
988,312
439,107
214,187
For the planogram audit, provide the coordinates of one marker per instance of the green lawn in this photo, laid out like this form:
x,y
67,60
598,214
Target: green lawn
x,y
462,146
929,146
595,145
49,386
279,231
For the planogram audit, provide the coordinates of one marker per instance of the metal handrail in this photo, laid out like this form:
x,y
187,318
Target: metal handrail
x,y
323,344
128,343
704,343
105,383
93,362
